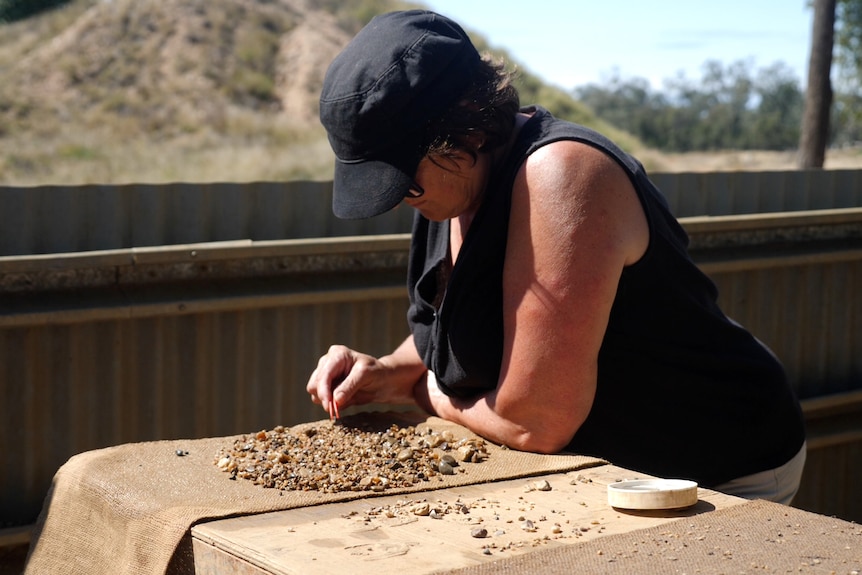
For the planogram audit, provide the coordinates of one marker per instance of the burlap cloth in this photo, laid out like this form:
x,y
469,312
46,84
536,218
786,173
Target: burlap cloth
x,y
126,509
753,537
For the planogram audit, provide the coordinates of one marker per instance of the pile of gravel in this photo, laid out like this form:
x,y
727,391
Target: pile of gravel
x,y
335,457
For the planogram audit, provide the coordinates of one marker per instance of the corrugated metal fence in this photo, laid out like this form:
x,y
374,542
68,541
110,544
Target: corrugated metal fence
x,y
112,342
44,220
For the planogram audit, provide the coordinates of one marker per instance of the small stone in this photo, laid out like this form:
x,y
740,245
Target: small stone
x,y
405,455
421,509
479,533
527,525
434,440
465,453
542,485
445,469
446,458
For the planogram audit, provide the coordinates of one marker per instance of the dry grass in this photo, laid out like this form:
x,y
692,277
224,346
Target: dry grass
x,y
274,151
748,160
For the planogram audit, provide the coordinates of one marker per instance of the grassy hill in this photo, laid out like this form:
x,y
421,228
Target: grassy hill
x,y
123,91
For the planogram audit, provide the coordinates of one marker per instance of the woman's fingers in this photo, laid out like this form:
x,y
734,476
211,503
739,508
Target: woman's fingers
x,y
332,370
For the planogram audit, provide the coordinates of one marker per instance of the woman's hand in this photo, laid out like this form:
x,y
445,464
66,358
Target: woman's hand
x,y
346,377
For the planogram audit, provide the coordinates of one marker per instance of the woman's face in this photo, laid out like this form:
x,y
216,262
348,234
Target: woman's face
x,y
453,186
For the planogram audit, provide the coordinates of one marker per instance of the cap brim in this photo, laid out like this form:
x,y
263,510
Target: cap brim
x,y
374,185
367,189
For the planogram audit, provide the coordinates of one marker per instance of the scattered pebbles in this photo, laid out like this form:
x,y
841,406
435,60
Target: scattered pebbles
x,y
334,457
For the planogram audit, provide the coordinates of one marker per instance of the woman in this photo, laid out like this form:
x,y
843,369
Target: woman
x,y
553,305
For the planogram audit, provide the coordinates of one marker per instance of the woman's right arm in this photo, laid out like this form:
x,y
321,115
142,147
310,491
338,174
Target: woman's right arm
x,y
345,377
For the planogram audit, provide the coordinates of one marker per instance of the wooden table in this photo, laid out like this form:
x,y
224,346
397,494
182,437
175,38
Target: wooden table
x,y
382,535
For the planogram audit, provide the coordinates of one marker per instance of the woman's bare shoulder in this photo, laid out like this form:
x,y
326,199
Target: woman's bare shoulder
x,y
572,186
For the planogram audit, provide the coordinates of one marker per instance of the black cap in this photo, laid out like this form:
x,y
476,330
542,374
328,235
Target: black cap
x,y
400,71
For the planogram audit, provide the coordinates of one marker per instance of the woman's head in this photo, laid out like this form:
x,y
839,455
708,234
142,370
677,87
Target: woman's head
x,y
408,84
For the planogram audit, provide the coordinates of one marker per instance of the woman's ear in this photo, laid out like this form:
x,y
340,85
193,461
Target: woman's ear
x,y
475,140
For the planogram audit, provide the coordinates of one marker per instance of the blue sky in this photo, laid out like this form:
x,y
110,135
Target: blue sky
x,y
575,42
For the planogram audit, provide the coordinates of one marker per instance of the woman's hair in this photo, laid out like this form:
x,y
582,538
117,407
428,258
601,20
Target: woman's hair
x,y
487,110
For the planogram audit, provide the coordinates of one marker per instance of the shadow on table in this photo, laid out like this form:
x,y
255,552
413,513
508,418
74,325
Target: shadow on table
x,y
697,509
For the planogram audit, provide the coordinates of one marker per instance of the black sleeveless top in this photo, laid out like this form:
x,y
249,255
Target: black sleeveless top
x,y
683,391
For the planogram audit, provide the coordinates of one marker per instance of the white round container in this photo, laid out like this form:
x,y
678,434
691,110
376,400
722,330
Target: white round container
x,y
652,494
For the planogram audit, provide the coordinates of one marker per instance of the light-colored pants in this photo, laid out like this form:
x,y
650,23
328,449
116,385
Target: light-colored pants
x,y
779,485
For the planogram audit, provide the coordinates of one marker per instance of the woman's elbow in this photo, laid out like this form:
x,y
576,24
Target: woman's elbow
x,y
546,441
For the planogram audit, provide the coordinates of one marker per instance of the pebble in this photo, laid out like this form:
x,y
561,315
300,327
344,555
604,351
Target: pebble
x,y
465,453
479,533
405,455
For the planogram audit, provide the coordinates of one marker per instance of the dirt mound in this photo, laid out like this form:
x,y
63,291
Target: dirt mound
x,y
304,54
174,66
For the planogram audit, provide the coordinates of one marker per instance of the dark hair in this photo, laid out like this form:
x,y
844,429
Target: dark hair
x,y
487,109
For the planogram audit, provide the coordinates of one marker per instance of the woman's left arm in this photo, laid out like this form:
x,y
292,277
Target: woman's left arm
x,y
576,222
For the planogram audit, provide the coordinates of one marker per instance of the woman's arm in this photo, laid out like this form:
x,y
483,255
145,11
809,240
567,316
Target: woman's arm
x,y
576,221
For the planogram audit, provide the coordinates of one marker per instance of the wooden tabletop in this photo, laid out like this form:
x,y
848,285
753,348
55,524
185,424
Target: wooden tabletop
x,y
430,531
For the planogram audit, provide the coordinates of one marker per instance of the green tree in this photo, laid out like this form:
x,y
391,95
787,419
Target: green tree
x,y
847,107
622,103
723,98
848,39
775,123
728,108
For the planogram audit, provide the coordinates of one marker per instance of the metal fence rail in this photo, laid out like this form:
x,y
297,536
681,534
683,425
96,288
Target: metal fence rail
x,y
52,219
